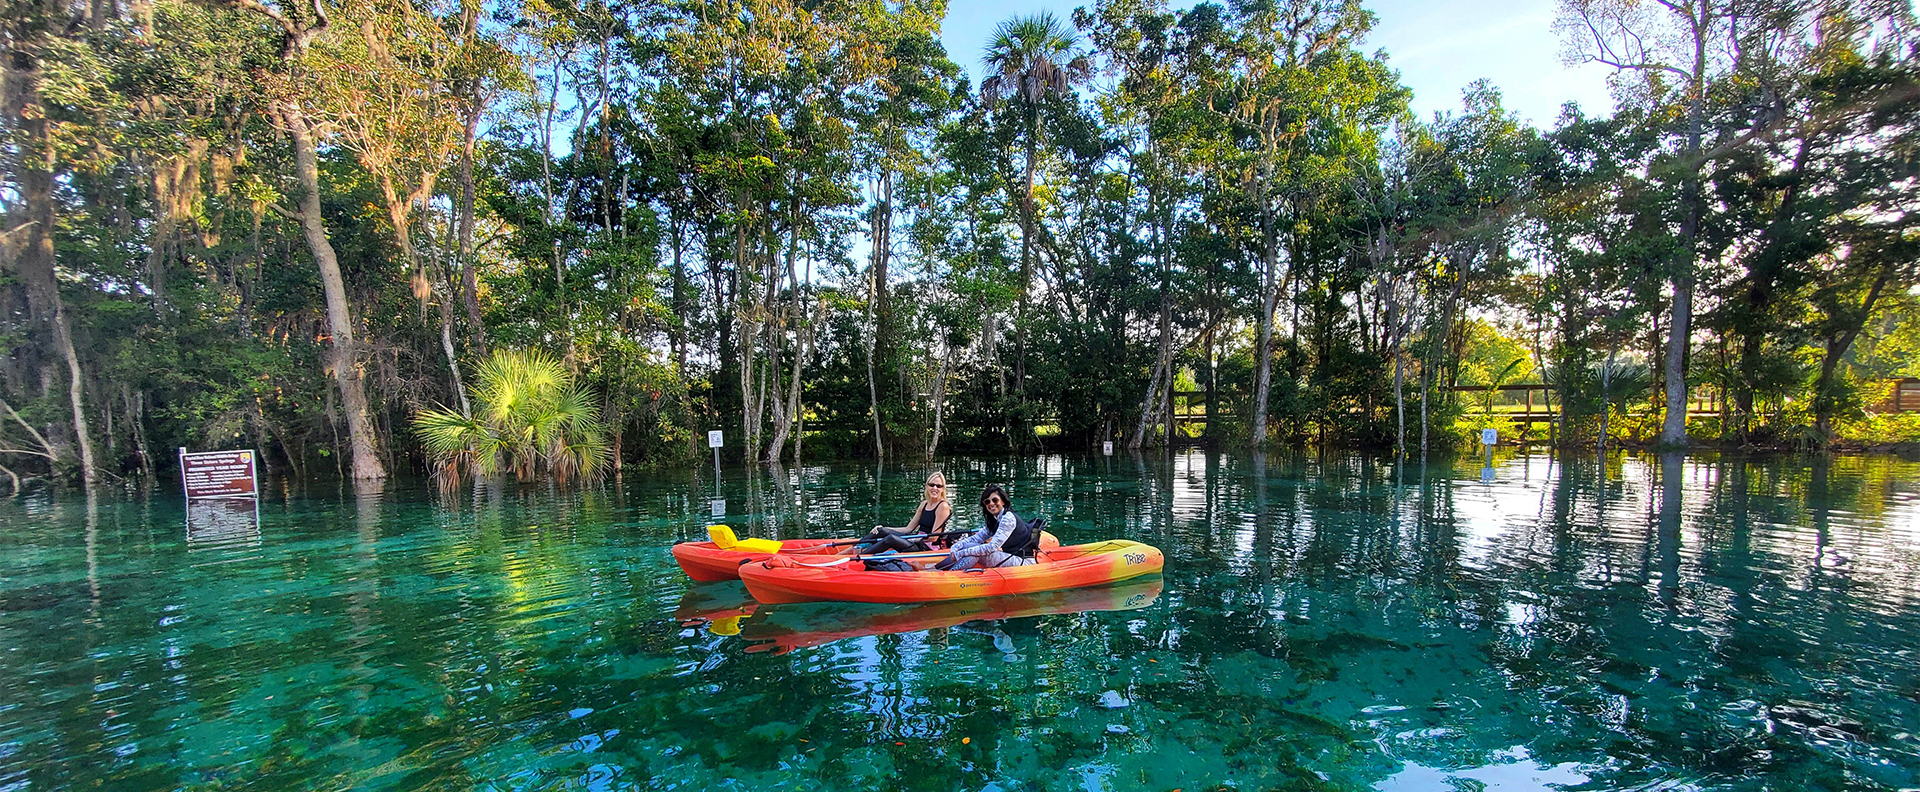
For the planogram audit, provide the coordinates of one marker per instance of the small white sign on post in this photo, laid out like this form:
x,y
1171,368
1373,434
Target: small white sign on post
x,y
1107,448
718,506
715,439
1489,437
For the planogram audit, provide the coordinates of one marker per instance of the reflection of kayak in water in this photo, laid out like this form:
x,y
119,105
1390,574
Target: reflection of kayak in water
x,y
718,606
783,628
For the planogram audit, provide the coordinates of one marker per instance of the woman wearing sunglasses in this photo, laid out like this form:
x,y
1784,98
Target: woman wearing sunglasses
x,y
930,519
1003,539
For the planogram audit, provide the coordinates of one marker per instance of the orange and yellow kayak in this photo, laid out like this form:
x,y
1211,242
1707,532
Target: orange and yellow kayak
x,y
708,562
780,629
784,578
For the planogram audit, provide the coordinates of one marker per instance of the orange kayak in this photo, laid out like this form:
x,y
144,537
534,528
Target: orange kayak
x,y
707,562
785,578
780,629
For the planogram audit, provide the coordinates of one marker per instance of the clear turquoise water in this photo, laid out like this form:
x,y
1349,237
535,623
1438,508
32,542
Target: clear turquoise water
x,y
1321,624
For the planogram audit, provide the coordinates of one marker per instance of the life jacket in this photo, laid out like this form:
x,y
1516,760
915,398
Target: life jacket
x,y
1025,539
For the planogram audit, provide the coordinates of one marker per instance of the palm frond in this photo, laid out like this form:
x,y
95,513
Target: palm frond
x,y
532,417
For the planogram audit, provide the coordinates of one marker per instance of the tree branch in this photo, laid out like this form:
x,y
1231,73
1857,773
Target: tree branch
x,y
48,452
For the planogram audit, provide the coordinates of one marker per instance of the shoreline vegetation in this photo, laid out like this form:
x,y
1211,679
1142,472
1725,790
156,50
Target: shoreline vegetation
x,y
352,233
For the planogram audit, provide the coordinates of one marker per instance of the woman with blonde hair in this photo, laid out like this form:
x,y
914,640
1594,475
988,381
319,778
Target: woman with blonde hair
x,y
922,533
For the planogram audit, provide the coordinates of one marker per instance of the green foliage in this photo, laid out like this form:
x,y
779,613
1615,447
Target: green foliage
x,y
1877,430
530,417
799,222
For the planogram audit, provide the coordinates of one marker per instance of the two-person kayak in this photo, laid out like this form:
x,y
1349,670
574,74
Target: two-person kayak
x,y
784,577
719,558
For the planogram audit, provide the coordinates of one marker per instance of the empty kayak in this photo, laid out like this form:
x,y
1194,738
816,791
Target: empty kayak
x,y
708,562
720,557
779,629
785,578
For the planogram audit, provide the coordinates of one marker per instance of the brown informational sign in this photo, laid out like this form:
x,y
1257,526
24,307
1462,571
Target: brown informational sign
x,y
218,474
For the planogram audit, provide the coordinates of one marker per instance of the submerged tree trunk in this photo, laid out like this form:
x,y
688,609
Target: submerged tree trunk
x,y
788,414
35,261
344,359
1269,302
1673,431
1163,359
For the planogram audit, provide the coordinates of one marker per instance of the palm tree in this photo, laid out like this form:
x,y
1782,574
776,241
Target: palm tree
x,y
532,418
1030,58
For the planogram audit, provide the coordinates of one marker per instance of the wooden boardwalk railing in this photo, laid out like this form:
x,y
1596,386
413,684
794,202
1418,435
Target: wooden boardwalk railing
x,y
1537,406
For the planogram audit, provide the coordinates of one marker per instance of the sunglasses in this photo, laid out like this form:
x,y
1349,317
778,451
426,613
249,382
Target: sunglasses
x,y
931,485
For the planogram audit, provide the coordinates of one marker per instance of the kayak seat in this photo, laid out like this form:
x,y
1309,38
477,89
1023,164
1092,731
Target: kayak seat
x,y
724,539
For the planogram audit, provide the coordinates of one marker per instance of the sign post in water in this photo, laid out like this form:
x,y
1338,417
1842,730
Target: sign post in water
x,y
218,474
714,439
219,486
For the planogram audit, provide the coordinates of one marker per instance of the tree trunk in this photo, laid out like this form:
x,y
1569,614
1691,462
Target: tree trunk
x,y
788,415
344,357
939,402
135,409
1762,276
886,374
469,269
1269,302
1823,402
1395,335
1026,264
677,331
35,262
1163,359
1673,431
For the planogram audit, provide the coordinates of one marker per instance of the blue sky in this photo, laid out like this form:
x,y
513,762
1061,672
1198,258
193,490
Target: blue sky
x,y
1438,48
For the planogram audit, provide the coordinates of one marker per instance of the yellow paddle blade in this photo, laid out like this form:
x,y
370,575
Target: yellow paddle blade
x,y
722,536
727,626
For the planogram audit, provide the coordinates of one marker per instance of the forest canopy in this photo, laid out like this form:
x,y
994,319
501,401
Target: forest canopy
x,y
302,226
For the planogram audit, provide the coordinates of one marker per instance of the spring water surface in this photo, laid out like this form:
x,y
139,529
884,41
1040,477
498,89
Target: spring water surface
x,y
1330,623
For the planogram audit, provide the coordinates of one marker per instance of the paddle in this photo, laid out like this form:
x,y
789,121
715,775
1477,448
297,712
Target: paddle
x,y
903,536
875,555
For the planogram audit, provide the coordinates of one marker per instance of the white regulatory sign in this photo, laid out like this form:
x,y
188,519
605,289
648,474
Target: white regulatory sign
x,y
714,439
1107,448
718,506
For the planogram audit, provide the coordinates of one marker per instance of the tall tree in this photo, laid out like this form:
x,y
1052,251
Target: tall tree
x,y
1030,59
1305,106
291,103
